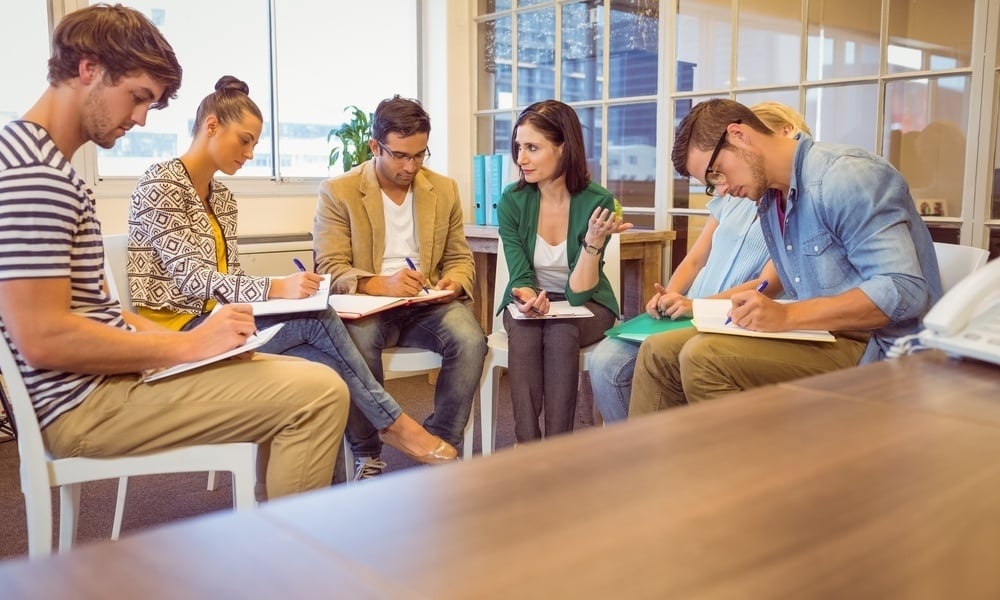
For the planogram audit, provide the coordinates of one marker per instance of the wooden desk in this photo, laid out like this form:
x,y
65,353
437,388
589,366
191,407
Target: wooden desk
x,y
875,482
642,265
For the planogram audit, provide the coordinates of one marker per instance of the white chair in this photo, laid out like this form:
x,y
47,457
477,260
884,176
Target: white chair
x,y
496,356
404,361
116,273
40,472
955,262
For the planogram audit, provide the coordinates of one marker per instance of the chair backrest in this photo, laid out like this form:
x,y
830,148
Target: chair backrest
x,y
612,268
31,448
115,268
956,262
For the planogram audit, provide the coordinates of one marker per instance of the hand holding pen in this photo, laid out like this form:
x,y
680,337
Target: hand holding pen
x,y
760,288
538,305
242,309
409,263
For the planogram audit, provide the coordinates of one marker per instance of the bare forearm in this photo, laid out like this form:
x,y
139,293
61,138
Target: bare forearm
x,y
852,310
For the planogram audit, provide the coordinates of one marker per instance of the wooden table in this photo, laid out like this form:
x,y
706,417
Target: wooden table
x,y
875,482
642,266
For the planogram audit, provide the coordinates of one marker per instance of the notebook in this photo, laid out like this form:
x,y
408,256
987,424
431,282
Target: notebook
x,y
355,306
278,306
561,309
710,317
642,326
253,342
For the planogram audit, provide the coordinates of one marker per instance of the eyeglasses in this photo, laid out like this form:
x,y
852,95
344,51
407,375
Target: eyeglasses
x,y
404,157
713,178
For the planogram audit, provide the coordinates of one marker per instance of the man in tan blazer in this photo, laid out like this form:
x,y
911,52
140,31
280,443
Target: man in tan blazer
x,y
391,227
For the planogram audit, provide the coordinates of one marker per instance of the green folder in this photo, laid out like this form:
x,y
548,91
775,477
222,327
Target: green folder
x,y
643,326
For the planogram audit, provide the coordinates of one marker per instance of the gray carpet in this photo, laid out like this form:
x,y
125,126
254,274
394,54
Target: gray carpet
x,y
154,500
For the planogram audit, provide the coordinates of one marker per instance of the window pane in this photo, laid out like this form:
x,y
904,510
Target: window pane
x,y
786,97
536,56
582,51
488,6
995,204
688,192
632,153
590,122
494,134
187,24
844,114
703,44
929,35
925,139
310,105
495,59
843,38
634,48
769,42
24,80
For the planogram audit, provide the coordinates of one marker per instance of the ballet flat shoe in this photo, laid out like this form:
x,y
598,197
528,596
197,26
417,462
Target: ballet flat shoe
x,y
444,452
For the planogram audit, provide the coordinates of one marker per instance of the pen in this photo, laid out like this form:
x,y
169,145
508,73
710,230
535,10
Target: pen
x,y
222,300
533,309
409,263
299,265
760,288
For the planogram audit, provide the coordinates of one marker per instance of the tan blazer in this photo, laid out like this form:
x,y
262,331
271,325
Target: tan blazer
x,y
349,229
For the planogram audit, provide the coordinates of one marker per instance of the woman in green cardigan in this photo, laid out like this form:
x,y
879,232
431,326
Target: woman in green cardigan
x,y
554,223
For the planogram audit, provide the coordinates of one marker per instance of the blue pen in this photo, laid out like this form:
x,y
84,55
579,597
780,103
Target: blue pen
x,y
298,263
410,264
760,288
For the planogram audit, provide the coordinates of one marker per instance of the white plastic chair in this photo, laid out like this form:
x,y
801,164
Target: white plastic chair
x,y
404,361
40,472
956,262
116,273
496,356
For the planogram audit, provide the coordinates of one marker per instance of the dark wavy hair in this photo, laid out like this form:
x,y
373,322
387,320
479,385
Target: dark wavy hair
x,y
228,102
559,124
404,116
120,39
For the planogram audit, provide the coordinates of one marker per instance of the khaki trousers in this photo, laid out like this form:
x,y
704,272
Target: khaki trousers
x,y
297,407
681,366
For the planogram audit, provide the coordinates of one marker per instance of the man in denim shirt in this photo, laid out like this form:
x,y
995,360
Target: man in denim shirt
x,y
847,242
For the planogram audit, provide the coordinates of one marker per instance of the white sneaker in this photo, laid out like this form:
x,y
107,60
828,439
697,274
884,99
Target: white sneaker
x,y
366,467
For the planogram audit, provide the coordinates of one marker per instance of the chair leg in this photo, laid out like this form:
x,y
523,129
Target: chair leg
x,y
212,484
494,409
38,510
348,462
470,433
116,527
487,408
69,511
245,485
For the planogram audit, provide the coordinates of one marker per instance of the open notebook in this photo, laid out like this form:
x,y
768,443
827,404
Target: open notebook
x,y
710,317
355,306
560,309
253,342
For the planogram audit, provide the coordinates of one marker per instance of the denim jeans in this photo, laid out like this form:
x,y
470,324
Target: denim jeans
x,y
321,337
611,368
449,329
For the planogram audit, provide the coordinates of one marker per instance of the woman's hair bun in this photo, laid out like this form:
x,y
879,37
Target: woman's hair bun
x,y
228,82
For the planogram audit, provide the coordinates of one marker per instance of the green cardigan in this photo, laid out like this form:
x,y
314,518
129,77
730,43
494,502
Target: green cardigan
x,y
517,212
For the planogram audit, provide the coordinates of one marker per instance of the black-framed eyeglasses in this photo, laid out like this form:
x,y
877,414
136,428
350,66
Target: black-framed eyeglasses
x,y
403,157
713,178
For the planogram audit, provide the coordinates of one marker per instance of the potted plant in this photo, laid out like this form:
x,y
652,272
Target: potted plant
x,y
352,137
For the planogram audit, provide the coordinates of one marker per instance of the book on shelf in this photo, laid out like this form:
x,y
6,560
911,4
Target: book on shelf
x,y
641,326
479,188
355,306
253,342
710,316
561,309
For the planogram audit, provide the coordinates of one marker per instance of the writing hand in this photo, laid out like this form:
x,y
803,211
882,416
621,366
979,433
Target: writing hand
x,y
754,310
298,285
447,284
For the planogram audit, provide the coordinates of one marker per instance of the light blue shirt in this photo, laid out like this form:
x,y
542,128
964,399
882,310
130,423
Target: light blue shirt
x,y
850,222
738,248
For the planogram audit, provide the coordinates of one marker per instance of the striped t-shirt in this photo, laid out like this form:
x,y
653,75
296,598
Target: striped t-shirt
x,y
48,229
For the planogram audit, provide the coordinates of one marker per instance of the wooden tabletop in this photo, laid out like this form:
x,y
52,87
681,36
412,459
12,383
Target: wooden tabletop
x,y
876,482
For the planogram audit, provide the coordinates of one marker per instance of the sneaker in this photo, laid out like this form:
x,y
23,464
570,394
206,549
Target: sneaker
x,y
366,467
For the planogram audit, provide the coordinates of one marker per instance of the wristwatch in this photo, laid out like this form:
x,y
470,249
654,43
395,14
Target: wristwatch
x,y
592,250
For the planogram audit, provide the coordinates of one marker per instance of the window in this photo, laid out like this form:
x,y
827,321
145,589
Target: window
x,y
24,33
305,62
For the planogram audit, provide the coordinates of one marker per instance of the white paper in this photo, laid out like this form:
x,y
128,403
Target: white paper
x,y
353,306
278,306
710,316
560,309
253,342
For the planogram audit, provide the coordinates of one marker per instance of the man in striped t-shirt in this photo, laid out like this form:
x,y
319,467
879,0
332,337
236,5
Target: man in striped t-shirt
x,y
80,355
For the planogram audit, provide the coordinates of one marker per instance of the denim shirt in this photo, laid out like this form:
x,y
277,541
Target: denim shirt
x,y
850,222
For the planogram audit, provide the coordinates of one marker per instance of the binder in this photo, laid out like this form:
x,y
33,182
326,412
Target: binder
x,y
479,188
494,186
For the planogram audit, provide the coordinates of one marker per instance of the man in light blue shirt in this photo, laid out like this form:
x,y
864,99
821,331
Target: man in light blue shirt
x,y
845,238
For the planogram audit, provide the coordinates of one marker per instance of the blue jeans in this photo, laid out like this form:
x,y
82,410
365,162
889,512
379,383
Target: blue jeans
x,y
611,368
321,337
449,329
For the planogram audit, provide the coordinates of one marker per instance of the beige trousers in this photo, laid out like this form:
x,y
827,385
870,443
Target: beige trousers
x,y
296,407
681,366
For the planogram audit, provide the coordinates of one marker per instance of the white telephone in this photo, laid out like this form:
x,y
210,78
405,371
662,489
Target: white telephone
x,y
966,321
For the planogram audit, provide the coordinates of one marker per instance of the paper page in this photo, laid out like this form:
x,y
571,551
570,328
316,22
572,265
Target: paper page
x,y
253,342
279,306
561,309
354,306
710,317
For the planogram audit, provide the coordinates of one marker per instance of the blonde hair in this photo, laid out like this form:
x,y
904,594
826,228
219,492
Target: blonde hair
x,y
778,116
